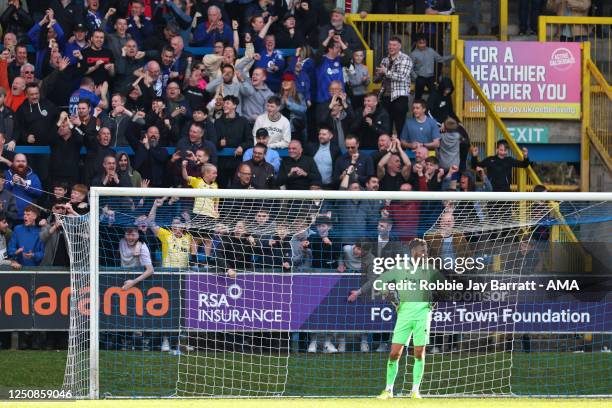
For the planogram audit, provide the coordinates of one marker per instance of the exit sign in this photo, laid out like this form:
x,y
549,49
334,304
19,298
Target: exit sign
x,y
529,134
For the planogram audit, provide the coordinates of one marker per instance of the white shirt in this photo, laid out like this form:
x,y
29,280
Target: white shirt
x,y
279,131
129,260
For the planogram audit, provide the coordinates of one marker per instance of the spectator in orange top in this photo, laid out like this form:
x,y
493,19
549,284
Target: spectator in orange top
x,y
15,94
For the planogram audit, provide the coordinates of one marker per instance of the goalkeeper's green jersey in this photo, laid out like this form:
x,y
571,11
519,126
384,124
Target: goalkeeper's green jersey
x,y
414,304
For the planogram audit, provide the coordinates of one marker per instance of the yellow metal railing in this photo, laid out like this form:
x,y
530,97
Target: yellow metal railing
x,y
598,126
503,20
441,31
597,30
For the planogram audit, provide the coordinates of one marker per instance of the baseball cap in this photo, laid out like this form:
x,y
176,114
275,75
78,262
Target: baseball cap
x,y
262,132
80,27
288,76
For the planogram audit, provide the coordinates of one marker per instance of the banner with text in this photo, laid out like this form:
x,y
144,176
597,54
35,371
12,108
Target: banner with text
x,y
525,79
319,302
284,302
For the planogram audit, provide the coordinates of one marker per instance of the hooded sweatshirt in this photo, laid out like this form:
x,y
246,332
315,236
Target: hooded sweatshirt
x,y
36,119
440,106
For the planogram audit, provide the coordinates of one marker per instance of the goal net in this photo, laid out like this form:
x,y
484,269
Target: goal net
x,y
195,293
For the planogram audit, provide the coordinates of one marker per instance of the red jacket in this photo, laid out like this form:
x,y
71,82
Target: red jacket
x,y
405,215
12,101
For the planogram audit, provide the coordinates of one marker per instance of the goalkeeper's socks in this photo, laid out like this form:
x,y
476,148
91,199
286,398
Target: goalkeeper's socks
x,y
417,373
392,367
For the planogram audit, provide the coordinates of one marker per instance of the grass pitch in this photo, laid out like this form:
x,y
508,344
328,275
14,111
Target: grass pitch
x,y
327,403
155,374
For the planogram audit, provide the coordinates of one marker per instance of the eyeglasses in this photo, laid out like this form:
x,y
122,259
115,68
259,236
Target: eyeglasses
x,y
28,72
246,174
351,147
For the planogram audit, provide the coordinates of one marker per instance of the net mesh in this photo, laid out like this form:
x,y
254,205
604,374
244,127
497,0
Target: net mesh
x,y
251,297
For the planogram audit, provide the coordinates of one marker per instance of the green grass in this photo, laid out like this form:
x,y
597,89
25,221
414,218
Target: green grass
x,y
155,374
327,403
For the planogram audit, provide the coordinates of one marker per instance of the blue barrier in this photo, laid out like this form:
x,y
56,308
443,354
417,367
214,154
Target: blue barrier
x,y
553,153
126,149
195,51
201,51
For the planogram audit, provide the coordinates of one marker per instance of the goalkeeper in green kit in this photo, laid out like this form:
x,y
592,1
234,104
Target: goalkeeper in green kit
x,y
413,315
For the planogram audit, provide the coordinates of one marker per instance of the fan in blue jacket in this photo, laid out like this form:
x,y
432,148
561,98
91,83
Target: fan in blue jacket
x,y
273,62
25,247
40,35
23,183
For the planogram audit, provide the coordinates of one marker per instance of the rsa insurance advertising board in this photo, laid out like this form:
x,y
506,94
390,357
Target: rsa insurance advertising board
x,y
525,79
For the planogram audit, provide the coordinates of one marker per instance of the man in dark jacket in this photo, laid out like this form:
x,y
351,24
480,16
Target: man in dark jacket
x,y
111,177
297,171
440,102
326,250
195,140
15,19
118,120
65,152
233,131
8,205
263,172
52,236
340,119
499,167
371,121
336,27
34,118
97,149
200,116
149,157
325,153
361,164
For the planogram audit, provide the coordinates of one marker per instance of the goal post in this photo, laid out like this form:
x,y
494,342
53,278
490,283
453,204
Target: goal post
x,y
94,294
222,359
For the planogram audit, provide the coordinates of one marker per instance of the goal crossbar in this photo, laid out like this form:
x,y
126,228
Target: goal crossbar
x,y
347,195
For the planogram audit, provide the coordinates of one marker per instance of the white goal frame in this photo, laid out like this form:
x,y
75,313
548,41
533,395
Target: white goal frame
x,y
96,192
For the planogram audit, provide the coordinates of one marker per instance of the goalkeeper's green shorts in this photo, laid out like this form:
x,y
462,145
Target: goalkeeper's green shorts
x,y
406,327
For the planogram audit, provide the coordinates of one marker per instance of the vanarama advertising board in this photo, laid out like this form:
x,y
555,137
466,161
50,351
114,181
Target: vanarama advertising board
x,y
525,79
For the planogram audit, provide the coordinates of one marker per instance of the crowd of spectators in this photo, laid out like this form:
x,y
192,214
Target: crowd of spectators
x,y
111,75
115,77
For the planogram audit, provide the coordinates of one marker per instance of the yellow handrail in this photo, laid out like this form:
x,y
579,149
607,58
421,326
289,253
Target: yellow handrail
x,y
585,151
403,18
599,78
591,135
503,20
543,20
600,148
